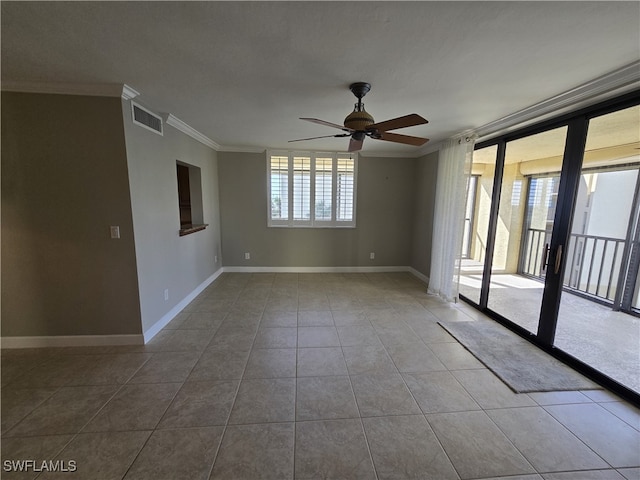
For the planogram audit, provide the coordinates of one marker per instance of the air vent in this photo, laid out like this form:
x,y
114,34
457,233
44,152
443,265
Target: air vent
x,y
146,119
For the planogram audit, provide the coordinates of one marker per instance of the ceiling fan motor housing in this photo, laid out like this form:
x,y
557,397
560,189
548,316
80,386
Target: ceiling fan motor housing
x,y
359,119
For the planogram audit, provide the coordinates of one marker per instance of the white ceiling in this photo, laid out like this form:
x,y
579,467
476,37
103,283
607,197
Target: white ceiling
x,y
243,72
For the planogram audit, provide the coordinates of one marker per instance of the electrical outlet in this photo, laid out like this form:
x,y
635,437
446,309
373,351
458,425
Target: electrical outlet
x,y
166,294
247,256
215,259
372,255
115,231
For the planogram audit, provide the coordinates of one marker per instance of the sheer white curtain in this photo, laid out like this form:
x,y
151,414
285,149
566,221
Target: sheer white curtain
x,y
454,167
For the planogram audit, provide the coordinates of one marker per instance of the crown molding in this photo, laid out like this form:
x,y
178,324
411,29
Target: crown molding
x,y
617,82
128,93
89,89
192,132
231,148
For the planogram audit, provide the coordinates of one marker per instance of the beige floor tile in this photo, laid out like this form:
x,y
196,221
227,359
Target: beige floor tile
x,y
558,398
358,335
544,442
256,452
100,456
66,411
438,392
455,356
405,447
203,321
186,341
276,337
476,447
489,391
332,449
109,369
134,407
201,404
318,337
264,400
315,318
414,357
220,363
285,375
271,363
325,398
368,359
284,318
347,318
611,438
430,331
17,403
180,453
166,367
630,473
313,362
383,394
625,412
238,338
57,371
397,334
584,475
43,448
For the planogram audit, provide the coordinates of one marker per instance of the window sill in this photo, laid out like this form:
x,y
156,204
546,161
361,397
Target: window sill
x,y
192,229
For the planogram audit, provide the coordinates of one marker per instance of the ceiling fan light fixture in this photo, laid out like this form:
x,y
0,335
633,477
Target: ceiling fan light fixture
x,y
359,124
359,119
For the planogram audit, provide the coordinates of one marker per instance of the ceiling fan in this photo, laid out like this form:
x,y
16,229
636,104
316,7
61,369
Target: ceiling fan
x,y
359,124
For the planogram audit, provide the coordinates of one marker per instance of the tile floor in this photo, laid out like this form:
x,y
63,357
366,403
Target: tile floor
x,y
340,376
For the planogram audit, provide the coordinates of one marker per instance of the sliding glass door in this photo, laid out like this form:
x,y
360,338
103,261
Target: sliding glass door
x,y
553,242
524,225
596,321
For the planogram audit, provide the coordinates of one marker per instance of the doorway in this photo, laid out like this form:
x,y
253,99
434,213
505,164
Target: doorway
x,y
554,245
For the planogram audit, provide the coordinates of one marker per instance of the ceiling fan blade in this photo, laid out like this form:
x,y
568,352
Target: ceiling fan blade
x,y
355,145
400,122
324,136
408,139
328,124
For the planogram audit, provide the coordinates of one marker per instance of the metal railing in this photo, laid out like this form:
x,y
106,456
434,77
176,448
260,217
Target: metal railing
x,y
593,262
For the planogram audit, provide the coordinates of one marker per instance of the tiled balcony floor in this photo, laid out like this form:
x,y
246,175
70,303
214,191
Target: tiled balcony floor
x,y
304,376
593,333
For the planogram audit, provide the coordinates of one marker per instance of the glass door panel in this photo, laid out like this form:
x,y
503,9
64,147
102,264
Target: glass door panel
x,y
524,224
595,321
477,228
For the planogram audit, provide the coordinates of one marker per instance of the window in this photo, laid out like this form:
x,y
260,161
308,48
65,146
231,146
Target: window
x,y
311,189
189,198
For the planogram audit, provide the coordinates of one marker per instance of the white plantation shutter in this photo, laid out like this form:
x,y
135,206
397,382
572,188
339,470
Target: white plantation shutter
x,y
279,187
301,188
345,189
311,190
324,189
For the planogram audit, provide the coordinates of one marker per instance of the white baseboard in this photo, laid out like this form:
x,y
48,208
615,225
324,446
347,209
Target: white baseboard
x,y
419,275
316,269
381,269
170,315
71,341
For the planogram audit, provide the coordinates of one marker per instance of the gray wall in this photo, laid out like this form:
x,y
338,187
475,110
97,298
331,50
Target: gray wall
x,y
425,195
166,260
385,205
64,182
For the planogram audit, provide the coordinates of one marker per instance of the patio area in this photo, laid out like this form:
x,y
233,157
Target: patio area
x,y
608,341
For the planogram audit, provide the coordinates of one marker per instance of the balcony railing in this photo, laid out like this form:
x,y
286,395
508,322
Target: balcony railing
x,y
593,266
